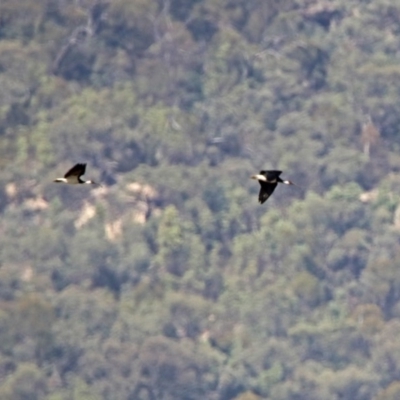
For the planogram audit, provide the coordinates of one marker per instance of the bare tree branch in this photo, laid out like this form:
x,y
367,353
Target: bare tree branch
x,y
80,34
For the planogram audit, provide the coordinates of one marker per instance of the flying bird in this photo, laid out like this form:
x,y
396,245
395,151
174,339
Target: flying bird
x,y
73,176
268,181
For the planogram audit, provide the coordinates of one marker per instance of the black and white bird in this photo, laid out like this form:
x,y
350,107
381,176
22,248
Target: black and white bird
x,y
268,181
73,176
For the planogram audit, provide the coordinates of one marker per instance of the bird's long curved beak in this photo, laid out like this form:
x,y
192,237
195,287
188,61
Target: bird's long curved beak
x,y
290,183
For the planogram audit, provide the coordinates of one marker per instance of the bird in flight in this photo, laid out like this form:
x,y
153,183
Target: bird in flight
x,y
73,176
268,181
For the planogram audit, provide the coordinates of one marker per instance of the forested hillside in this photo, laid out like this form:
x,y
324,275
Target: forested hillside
x,y
171,282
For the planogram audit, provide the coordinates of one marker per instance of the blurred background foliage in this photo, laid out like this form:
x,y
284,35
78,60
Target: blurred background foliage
x,y
171,282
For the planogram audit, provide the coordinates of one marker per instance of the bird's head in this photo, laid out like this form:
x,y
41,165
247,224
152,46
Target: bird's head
x,y
60,180
93,183
289,183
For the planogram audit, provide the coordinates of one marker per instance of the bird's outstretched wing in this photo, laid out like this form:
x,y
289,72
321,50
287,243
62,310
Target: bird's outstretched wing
x,y
77,171
271,175
265,191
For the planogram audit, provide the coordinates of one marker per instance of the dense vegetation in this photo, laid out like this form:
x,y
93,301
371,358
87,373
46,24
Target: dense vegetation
x,y
171,281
